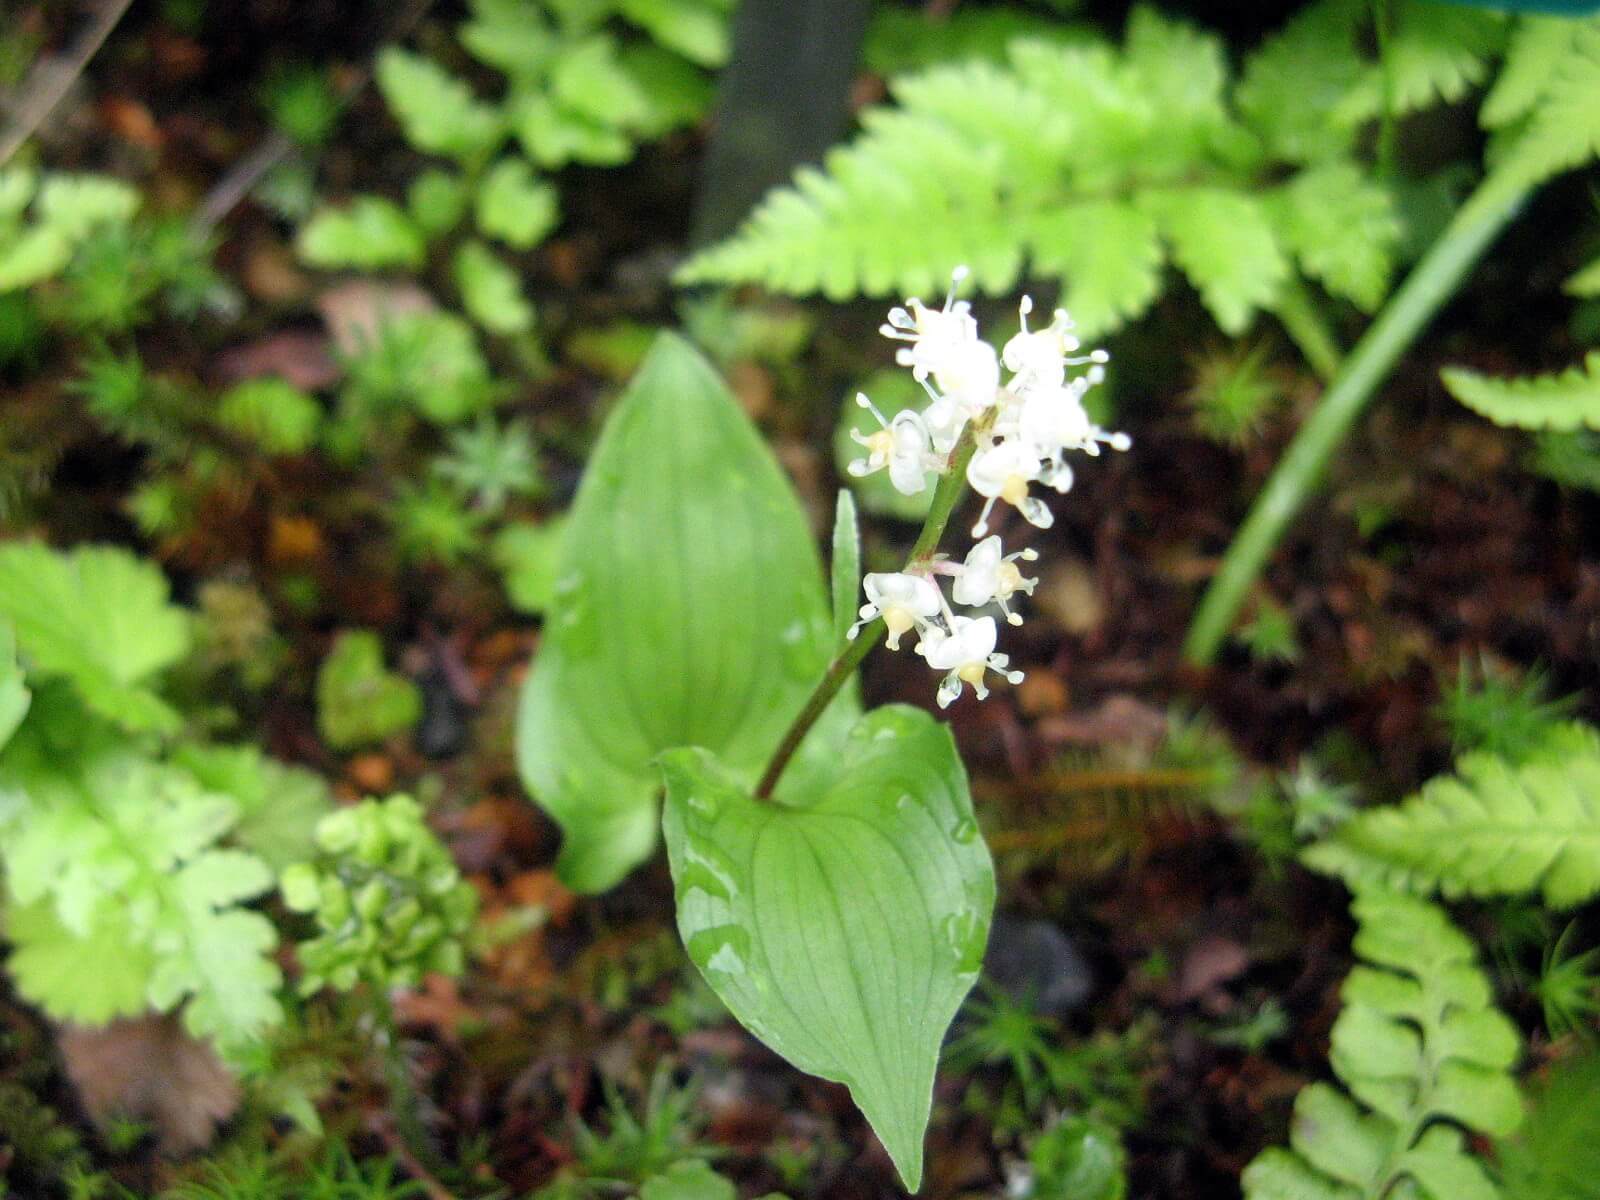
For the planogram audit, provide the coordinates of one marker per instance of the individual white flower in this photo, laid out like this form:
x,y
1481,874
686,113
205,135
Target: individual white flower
x,y
935,334
903,445
990,576
1053,420
969,375
903,601
966,652
1040,357
1002,471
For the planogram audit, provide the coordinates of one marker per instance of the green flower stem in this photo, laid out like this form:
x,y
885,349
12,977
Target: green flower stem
x,y
1433,281
952,486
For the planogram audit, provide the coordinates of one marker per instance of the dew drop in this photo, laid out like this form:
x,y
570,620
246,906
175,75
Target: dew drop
x,y
965,831
964,932
723,949
705,870
705,803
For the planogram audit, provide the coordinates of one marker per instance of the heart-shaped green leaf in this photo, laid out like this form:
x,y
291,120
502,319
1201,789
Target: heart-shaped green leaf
x,y
689,611
844,925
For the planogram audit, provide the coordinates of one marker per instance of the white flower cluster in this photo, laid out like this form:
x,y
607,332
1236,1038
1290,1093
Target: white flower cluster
x,y
1025,427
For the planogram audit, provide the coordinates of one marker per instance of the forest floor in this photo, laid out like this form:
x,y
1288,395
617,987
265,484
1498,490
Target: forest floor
x,y
1181,970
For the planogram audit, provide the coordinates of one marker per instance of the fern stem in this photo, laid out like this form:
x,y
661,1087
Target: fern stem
x,y
1383,32
952,487
1297,475
1297,312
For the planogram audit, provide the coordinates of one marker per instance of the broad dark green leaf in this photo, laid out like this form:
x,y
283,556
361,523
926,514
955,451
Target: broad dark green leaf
x,y
843,924
846,565
689,611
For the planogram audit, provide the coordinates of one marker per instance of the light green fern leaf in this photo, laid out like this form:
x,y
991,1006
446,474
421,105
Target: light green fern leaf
x,y
1562,130
1561,402
1109,257
1537,48
1491,829
119,896
1079,162
1298,76
1436,53
1342,227
1426,1058
437,111
1226,245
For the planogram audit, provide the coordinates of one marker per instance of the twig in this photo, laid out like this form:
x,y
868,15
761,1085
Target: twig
x,y
51,79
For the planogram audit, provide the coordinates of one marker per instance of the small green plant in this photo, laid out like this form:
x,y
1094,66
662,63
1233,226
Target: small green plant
x,y
1075,1159
1492,828
1424,1058
94,263
585,83
1232,392
492,464
656,1148
132,851
251,1171
359,701
1568,987
1489,710
388,900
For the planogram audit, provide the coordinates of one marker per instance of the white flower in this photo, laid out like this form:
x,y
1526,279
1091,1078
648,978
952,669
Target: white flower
x,y
903,601
1040,357
966,652
990,576
1053,420
969,374
936,334
902,445
1002,471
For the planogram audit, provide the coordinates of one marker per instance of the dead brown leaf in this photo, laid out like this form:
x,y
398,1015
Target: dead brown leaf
x,y
149,1069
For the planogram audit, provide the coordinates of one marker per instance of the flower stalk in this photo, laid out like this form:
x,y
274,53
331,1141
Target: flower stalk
x,y
997,435
951,488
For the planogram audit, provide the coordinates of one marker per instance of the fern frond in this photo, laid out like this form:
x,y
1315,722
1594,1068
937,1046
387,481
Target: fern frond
x,y
1491,829
1537,48
1082,162
1562,402
1562,128
1436,53
1341,226
1425,1057
1298,76
1226,245
1110,256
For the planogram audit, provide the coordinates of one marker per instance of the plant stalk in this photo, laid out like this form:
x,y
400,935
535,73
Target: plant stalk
x,y
1297,311
1299,472
404,1104
952,486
